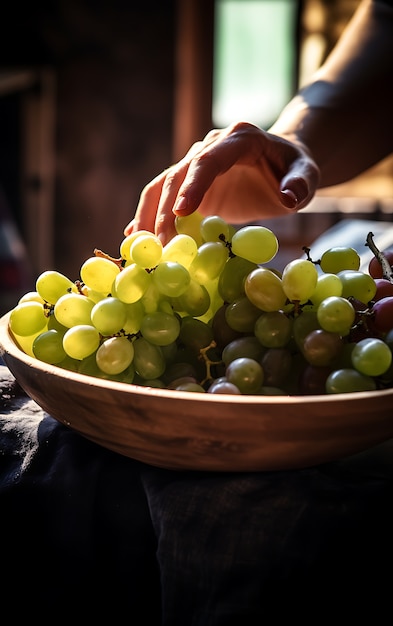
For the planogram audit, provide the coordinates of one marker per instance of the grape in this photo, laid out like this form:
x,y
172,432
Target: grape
x,y
190,386
265,289
349,380
48,347
276,364
131,283
109,315
257,244
384,288
339,258
98,273
248,346
222,385
208,262
180,249
327,285
223,333
214,228
299,279
148,360
383,314
241,315
313,379
195,300
31,296
134,316
246,374
125,246
171,278
371,356
52,285
357,285
273,329
336,315
190,225
80,341
195,334
114,355
375,268
160,328
146,250
232,278
304,324
28,318
321,347
72,309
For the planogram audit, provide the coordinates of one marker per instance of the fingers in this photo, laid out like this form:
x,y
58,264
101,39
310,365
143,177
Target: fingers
x,y
299,185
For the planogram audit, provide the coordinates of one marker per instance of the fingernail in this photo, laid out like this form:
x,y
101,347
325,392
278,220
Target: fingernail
x,y
181,205
288,198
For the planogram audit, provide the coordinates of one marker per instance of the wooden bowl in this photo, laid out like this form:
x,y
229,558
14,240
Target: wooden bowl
x,y
194,431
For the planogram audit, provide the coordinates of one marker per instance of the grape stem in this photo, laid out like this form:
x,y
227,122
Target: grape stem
x,y
387,271
208,362
104,255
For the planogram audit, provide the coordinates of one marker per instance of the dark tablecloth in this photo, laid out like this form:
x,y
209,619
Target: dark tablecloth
x,y
88,534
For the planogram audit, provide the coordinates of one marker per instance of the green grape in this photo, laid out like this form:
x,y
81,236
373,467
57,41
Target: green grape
x,y
247,346
299,279
70,364
241,315
195,334
131,283
146,250
246,374
257,244
114,355
371,356
171,278
151,298
190,225
327,285
52,285
232,278
98,273
72,309
125,246
180,249
273,329
208,262
349,380
195,300
48,347
31,296
54,324
89,367
80,341
149,360
321,347
25,343
265,289
214,228
109,315
336,315
358,285
94,296
339,258
28,318
160,328
134,316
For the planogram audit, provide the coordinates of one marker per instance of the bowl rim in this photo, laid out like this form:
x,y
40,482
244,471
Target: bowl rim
x,y
10,348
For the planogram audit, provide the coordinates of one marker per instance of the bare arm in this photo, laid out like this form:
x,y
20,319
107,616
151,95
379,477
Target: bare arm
x,y
345,116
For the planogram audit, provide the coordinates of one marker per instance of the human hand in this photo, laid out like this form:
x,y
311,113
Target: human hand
x,y
241,173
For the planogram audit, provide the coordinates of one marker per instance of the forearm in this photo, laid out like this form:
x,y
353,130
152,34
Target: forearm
x,y
348,104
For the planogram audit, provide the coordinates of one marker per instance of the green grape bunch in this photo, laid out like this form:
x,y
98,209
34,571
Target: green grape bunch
x,y
209,313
